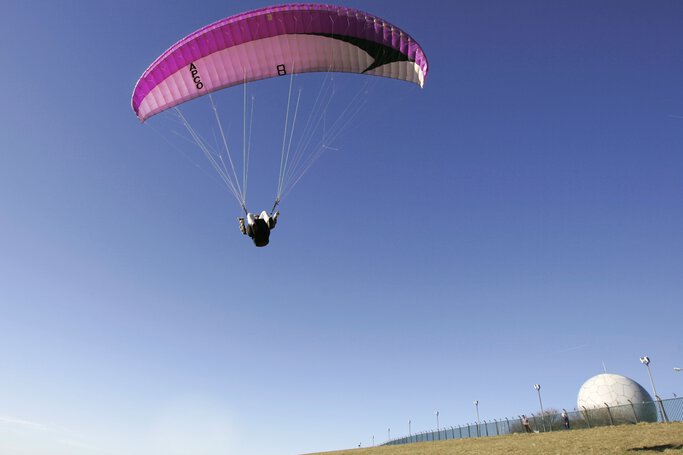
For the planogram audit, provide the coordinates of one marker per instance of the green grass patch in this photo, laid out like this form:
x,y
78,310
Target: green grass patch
x,y
641,439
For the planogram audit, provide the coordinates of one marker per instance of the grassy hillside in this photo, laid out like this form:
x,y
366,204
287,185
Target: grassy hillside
x,y
641,439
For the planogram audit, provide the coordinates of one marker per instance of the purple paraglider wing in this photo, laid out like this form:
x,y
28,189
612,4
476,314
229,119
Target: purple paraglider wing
x,y
276,41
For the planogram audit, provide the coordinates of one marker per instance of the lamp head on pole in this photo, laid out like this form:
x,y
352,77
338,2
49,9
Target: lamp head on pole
x,y
476,402
645,360
537,386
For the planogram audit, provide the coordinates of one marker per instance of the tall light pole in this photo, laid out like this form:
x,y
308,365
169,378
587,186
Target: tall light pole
x,y
389,433
537,387
410,433
437,420
645,360
476,405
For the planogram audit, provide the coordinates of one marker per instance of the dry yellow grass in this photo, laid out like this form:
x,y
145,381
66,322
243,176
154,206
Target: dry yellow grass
x,y
641,439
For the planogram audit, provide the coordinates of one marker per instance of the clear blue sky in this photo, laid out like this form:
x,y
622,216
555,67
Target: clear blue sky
x,y
517,221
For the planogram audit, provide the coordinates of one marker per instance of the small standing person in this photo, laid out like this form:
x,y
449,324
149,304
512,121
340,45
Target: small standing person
x,y
565,419
525,424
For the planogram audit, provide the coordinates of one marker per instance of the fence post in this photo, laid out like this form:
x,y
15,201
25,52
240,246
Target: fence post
x,y
469,433
497,432
535,423
609,413
486,428
507,422
661,407
633,408
585,412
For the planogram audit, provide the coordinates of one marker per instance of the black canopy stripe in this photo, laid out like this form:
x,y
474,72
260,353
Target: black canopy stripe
x,y
381,53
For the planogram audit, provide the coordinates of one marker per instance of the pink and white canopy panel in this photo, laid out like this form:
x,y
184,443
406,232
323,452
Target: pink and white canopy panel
x,y
276,41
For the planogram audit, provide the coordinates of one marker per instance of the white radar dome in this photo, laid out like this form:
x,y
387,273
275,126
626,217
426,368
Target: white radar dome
x,y
625,397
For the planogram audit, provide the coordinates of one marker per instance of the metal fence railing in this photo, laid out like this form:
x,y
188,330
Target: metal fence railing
x,y
669,410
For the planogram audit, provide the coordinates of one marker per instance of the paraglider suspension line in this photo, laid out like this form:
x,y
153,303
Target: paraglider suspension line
x,y
277,202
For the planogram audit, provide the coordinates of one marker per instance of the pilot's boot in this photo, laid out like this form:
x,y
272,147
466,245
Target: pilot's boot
x,y
242,228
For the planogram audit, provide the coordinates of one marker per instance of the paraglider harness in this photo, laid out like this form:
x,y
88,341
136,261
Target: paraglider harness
x,y
259,232
259,228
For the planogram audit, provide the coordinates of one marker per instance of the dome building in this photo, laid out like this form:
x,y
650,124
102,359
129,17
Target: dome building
x,y
627,400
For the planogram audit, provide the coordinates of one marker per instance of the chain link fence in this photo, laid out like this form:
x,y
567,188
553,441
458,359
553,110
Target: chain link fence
x,y
652,411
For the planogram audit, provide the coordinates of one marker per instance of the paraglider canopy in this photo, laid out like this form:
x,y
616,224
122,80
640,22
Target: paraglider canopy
x,y
277,41
268,43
